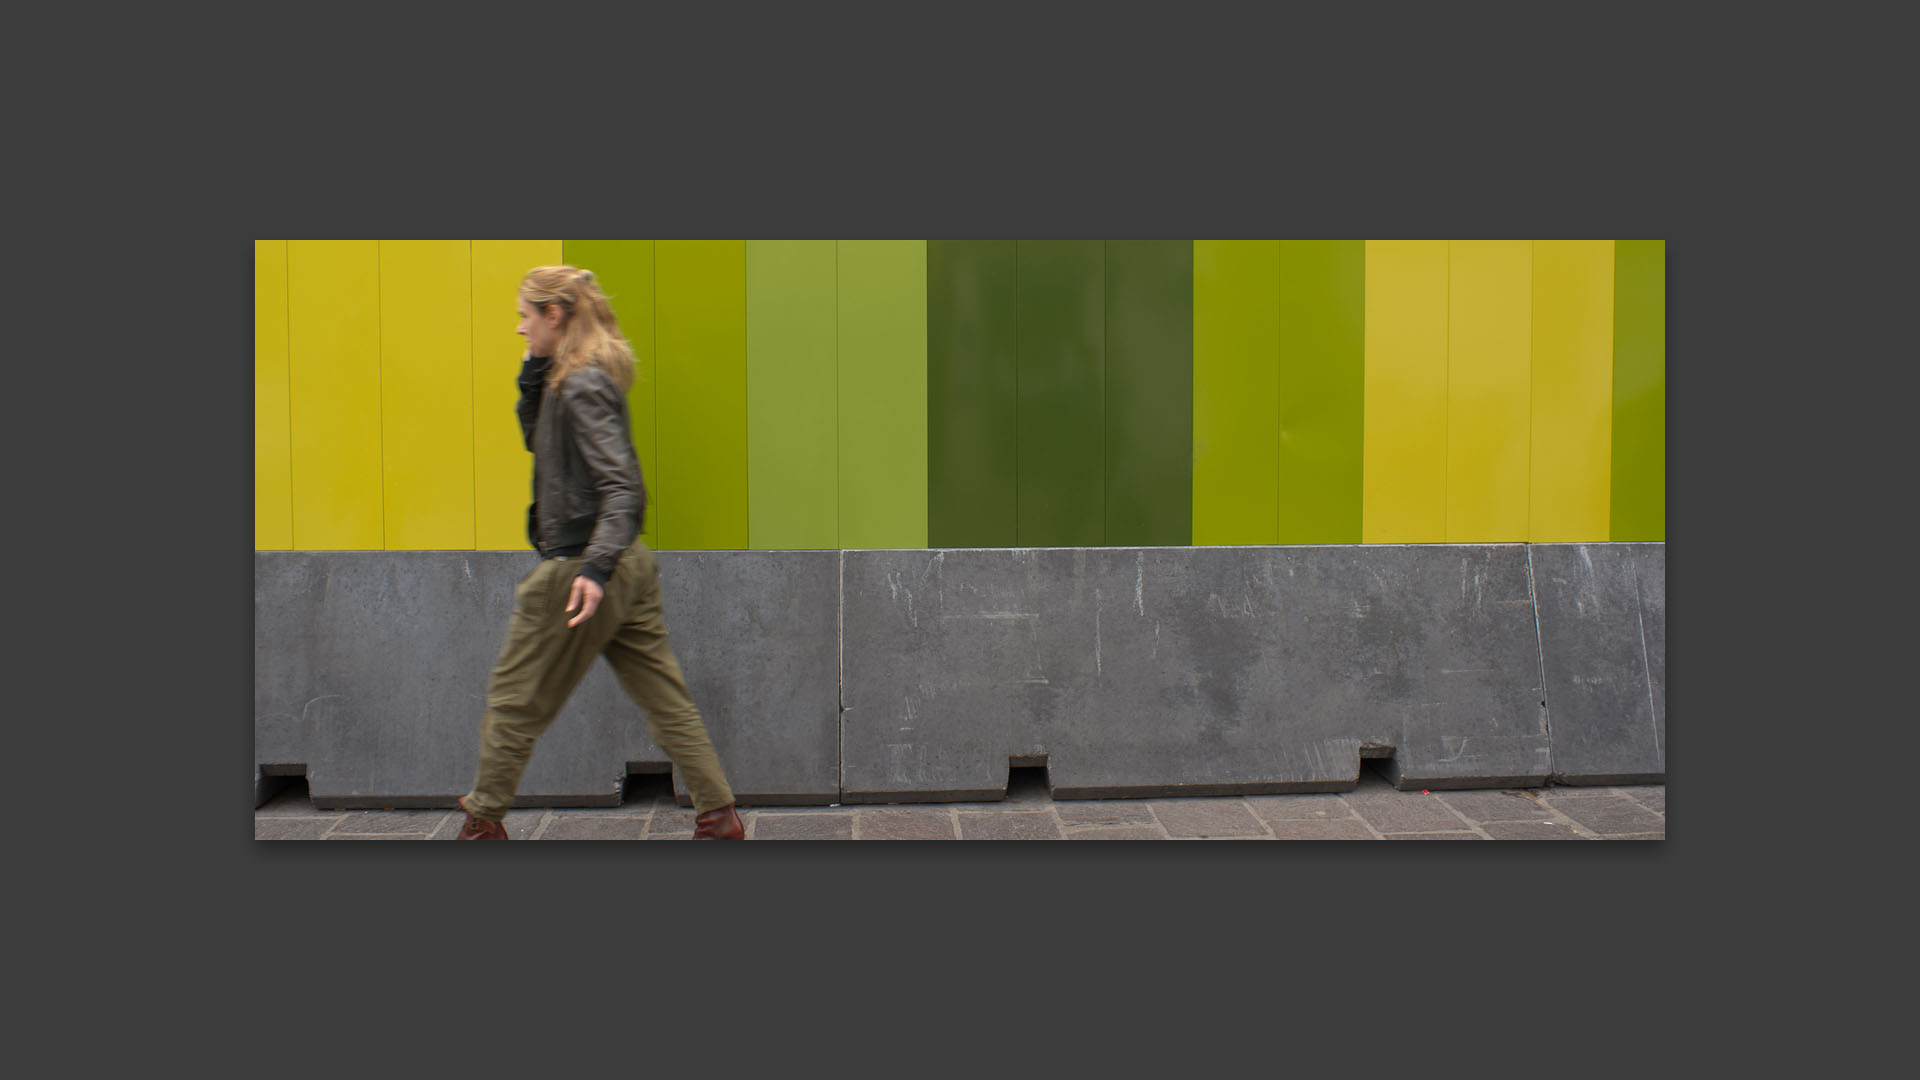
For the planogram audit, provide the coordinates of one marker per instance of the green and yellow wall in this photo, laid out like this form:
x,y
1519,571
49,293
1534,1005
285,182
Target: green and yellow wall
x,y
916,394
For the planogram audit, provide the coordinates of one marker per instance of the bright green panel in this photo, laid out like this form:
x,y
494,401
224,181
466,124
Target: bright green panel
x,y
1236,390
624,270
699,488
883,393
1149,382
426,393
333,370
1060,298
1639,474
272,425
1323,364
971,377
792,411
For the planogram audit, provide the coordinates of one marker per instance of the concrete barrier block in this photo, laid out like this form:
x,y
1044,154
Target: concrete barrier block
x,y
1603,648
371,667
1187,670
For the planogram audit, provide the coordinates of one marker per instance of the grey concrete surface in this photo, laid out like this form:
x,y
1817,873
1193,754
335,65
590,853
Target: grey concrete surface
x,y
1188,670
1603,648
920,675
370,671
1373,810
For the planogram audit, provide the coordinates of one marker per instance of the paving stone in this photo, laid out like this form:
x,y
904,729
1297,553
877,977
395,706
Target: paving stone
x,y
1116,832
576,827
375,822
1012,825
836,826
291,828
1530,830
1343,829
1272,808
1431,836
1105,812
1608,814
1637,836
1492,806
903,823
1207,817
1403,811
1652,796
376,836
671,824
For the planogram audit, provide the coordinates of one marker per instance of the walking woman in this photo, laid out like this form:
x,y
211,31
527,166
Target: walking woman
x,y
596,591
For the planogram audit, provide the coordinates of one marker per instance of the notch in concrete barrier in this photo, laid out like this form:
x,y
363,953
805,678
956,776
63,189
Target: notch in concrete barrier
x,y
646,783
288,782
1027,777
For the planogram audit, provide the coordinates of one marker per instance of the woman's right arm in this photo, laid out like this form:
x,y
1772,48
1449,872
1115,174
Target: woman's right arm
x,y
533,382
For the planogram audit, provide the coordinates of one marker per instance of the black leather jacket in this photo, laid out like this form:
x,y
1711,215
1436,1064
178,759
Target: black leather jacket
x,y
588,498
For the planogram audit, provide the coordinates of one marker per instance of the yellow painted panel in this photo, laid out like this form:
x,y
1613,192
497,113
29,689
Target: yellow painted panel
x,y
502,466
1571,485
426,393
1489,351
272,424
333,381
1404,444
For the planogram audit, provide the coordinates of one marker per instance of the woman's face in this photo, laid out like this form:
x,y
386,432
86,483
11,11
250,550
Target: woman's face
x,y
541,329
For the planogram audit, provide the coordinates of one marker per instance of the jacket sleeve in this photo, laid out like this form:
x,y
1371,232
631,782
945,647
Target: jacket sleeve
x,y
532,380
598,412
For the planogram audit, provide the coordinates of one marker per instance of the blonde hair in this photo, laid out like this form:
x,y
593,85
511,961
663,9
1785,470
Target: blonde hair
x,y
589,334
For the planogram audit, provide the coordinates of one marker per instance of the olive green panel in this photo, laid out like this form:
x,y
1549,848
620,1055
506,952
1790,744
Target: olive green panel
x,y
1323,289
1236,389
1060,303
1149,383
883,393
698,492
971,385
1639,470
624,271
792,406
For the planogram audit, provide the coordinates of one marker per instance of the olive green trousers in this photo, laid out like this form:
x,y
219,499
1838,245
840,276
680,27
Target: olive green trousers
x,y
544,659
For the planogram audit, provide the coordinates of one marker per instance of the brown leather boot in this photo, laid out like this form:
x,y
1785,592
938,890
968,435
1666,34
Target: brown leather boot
x,y
476,829
721,824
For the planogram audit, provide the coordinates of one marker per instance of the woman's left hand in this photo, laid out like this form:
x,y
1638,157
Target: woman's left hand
x,y
585,596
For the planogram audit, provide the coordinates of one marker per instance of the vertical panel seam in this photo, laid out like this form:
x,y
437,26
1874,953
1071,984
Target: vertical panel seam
x,y
286,281
380,364
746,490
1446,388
1016,393
838,504
657,371
1540,653
1105,334
1533,381
473,397
1606,529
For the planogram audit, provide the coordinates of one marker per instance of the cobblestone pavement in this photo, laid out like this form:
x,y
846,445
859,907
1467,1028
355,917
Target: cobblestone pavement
x,y
1374,810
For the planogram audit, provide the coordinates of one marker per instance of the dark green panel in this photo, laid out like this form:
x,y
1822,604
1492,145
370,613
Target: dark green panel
x,y
1639,472
970,393
1323,312
1149,378
1060,288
